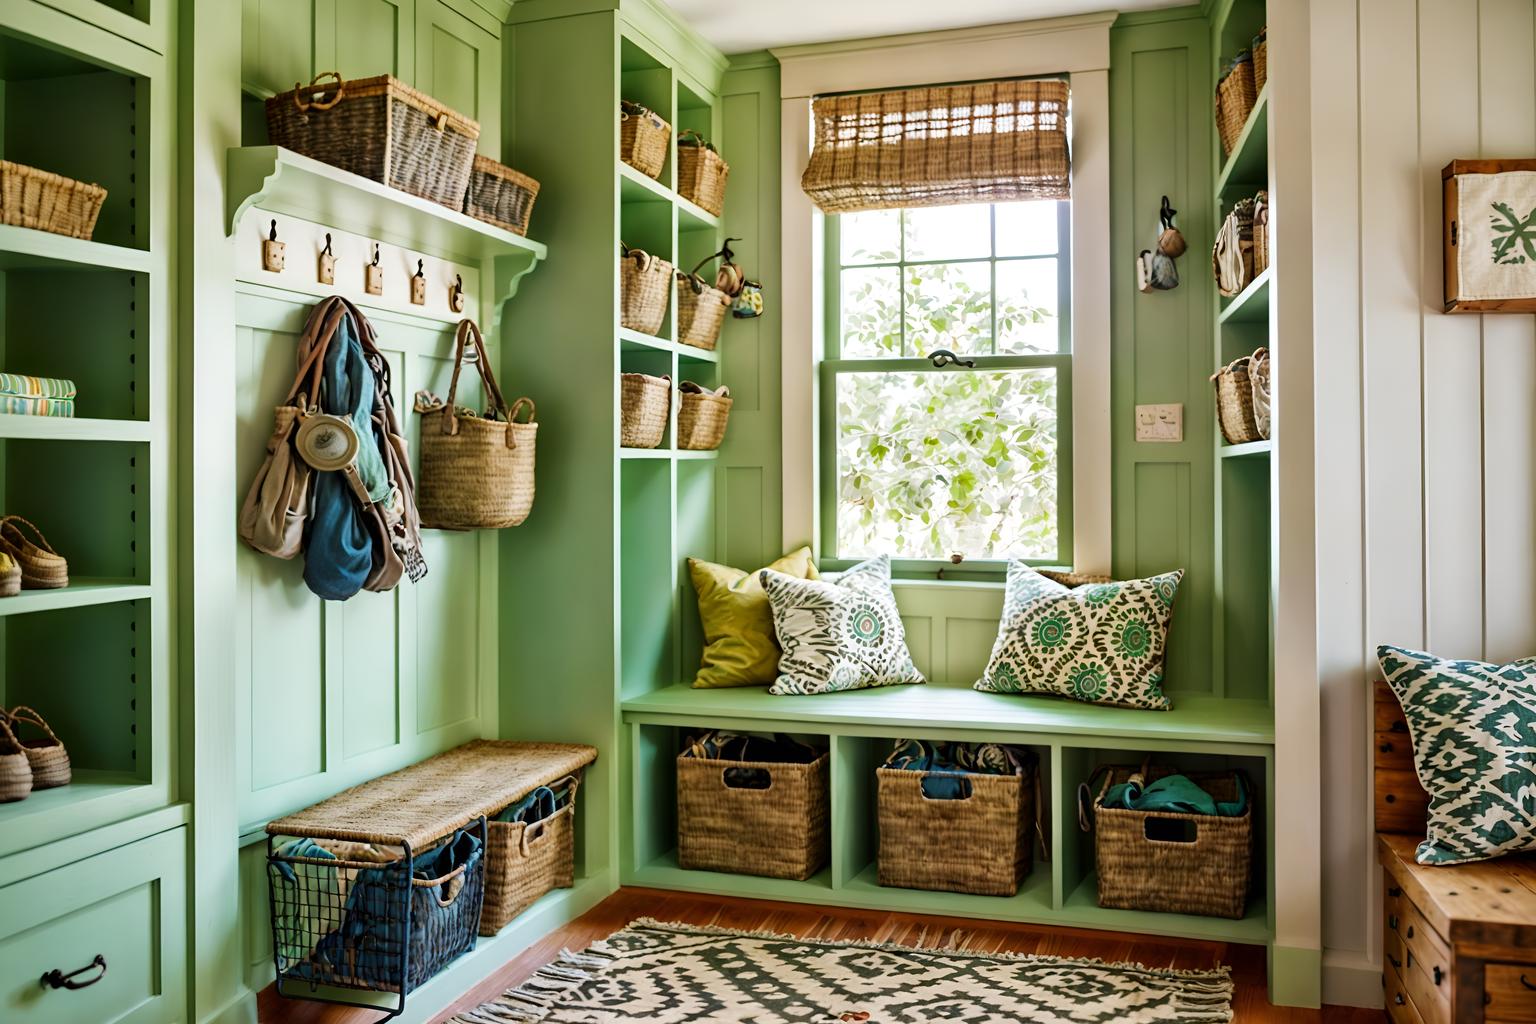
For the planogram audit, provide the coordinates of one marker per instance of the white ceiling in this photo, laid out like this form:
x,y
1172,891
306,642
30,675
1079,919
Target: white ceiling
x,y
737,26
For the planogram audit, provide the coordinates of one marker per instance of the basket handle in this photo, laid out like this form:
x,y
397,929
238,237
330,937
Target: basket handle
x,y
315,88
640,256
29,716
6,735
469,330
42,541
438,883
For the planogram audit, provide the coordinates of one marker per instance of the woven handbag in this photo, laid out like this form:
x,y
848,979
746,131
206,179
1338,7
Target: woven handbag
x,y
46,757
476,473
42,568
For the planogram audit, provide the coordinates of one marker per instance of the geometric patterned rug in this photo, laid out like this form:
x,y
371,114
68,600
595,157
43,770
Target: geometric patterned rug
x,y
658,973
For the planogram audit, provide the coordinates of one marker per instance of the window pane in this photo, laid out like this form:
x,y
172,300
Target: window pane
x,y
872,237
1026,229
871,313
1027,307
949,305
948,232
931,464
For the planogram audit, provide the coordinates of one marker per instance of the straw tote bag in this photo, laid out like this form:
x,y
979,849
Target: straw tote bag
x,y
476,474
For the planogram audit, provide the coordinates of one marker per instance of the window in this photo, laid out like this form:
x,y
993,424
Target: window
x,y
930,462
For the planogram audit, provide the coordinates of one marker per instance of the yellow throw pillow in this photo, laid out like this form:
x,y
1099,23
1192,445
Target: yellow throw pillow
x,y
740,648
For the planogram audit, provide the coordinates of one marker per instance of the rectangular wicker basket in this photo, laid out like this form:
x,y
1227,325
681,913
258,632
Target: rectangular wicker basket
x,y
524,861
779,832
701,312
499,195
30,198
980,844
379,128
702,416
643,138
1235,97
1206,870
701,173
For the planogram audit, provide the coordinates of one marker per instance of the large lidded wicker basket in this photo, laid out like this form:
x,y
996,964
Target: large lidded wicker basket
x,y
499,195
981,844
379,128
1170,862
30,198
779,832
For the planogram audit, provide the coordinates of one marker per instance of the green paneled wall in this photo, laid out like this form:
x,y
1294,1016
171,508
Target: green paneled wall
x,y
1160,133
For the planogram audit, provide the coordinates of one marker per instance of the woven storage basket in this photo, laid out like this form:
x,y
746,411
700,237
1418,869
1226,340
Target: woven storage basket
x,y
476,474
42,568
702,416
499,195
526,860
379,128
15,767
644,289
643,138
701,172
779,832
31,198
1234,402
1208,874
701,310
1235,96
1260,233
1260,60
981,844
644,402
47,757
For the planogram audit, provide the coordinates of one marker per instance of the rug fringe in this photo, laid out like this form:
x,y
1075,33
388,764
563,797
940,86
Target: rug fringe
x,y
536,998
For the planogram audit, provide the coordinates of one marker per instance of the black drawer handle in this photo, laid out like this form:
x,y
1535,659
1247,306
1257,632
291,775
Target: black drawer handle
x,y
1398,998
1410,931
1439,975
1395,961
1394,891
58,979
1527,984
1392,921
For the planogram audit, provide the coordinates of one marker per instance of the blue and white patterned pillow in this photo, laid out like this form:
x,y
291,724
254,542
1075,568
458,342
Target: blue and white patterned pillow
x,y
1474,747
842,634
1102,642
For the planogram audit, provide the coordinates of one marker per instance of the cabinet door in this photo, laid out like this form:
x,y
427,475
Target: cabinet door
x,y
126,907
458,63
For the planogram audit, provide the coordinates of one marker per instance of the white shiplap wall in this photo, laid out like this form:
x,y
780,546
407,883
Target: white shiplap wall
x,y
1426,423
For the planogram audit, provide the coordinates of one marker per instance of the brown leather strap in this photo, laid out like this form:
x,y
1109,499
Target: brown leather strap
x,y
469,331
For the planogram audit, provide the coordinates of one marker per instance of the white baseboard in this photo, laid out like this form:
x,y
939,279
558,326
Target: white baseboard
x,y
1350,978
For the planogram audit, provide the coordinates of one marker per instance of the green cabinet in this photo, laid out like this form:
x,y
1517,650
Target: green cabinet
x,y
127,907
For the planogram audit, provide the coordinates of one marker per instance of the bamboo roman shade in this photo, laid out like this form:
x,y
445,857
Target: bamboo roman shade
x,y
982,143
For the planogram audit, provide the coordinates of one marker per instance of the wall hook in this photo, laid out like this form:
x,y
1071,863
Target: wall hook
x,y
456,294
273,252
327,269
373,274
419,284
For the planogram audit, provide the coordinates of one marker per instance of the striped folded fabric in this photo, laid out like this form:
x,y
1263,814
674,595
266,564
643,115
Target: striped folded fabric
x,y
22,405
21,385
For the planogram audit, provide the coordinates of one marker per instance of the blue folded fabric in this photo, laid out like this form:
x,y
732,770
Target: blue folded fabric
x,y
1175,794
952,762
536,806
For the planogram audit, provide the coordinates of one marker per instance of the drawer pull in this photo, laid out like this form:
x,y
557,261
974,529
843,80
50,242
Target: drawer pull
x,y
1439,975
1526,983
1398,998
1394,891
1395,962
1410,931
1392,921
58,979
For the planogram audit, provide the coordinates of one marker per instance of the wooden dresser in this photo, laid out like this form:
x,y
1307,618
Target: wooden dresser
x,y
1459,942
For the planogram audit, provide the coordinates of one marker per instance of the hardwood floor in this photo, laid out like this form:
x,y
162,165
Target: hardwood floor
x,y
1249,1003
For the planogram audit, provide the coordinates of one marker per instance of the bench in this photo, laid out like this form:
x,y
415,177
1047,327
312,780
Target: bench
x,y
1459,942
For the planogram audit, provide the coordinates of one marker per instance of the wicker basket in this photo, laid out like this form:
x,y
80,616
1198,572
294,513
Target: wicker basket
x,y
1235,96
644,288
779,832
701,172
701,416
15,767
701,310
643,138
42,568
379,128
1260,233
47,757
499,195
476,474
31,198
644,402
526,860
1234,402
981,844
1205,870
1260,61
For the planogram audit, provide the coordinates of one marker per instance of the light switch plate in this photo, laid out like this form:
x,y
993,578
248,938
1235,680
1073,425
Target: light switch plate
x,y
1160,423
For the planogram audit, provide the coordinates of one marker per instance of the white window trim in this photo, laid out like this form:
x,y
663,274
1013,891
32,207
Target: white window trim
x,y
1076,46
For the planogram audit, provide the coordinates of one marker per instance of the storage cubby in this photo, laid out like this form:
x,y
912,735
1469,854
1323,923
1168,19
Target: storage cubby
x,y
1244,585
646,79
646,634
696,538
49,482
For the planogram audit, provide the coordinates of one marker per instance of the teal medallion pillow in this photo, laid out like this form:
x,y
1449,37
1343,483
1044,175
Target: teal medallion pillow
x,y
842,634
1474,747
1101,642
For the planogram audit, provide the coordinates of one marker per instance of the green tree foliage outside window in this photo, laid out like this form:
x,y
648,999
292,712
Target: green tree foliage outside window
x,y
936,462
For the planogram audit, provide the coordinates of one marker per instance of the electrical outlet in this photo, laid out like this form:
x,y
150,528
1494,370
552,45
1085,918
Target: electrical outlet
x,y
1160,423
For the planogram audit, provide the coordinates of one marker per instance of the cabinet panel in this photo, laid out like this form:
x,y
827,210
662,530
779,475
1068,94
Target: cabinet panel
x,y
371,37
125,906
459,63
277,44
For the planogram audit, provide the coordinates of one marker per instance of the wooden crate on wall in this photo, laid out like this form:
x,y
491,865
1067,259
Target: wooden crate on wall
x,y
1501,278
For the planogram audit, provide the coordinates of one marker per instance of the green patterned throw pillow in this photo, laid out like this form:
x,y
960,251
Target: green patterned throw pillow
x,y
842,634
1474,746
1101,642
